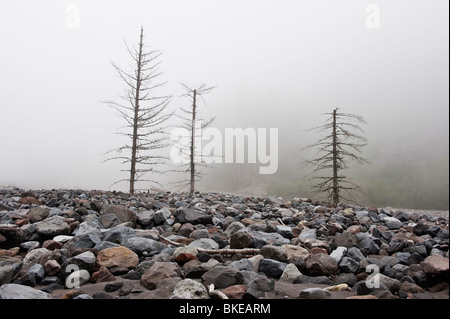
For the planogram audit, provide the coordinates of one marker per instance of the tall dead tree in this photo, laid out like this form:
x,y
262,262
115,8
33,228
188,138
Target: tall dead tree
x,y
144,113
335,151
195,125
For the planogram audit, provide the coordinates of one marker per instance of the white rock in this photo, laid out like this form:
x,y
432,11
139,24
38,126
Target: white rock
x,y
15,291
189,289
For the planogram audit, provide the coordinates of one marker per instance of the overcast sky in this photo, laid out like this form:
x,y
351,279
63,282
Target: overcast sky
x,y
275,64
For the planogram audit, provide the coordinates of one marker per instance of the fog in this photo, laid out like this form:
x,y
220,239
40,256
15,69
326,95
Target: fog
x,y
275,64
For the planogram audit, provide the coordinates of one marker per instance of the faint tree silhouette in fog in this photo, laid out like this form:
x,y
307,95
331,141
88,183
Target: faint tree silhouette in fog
x,y
334,152
195,125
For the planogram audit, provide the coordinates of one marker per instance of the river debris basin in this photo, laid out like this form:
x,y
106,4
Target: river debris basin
x,y
78,244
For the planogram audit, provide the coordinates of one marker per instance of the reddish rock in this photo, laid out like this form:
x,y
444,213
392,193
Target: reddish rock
x,y
117,256
321,265
184,258
51,244
52,267
37,214
318,250
410,288
29,201
435,265
9,252
102,275
354,229
235,292
21,222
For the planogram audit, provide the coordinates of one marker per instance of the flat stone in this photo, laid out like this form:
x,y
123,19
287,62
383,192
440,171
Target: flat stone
x,y
15,291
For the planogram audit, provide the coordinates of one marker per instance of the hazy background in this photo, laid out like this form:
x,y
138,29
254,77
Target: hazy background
x,y
275,64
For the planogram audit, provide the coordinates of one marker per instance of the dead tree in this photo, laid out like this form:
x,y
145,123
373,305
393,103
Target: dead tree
x,y
335,151
195,125
144,113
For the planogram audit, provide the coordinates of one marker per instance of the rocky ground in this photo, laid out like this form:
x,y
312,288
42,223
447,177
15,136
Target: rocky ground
x,y
75,244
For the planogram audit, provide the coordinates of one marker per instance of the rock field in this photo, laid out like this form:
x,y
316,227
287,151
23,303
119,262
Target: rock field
x,y
75,244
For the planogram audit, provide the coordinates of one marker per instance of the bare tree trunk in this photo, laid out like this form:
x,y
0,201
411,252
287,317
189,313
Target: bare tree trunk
x,y
335,150
192,155
144,113
136,116
335,162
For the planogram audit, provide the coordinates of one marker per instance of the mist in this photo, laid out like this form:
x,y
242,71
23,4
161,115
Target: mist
x,y
275,64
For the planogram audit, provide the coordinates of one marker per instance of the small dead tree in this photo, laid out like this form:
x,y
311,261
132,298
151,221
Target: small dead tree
x,y
144,113
335,151
195,125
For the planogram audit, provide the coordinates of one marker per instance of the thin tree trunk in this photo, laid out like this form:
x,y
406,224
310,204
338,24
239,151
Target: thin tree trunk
x,y
192,168
136,116
335,162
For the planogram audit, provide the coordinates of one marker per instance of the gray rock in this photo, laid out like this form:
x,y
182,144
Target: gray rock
x,y
189,289
258,286
140,245
243,264
85,260
161,216
338,253
83,241
88,227
308,234
321,280
35,274
119,234
33,256
193,216
9,268
285,231
145,218
233,228
274,252
348,264
199,233
314,293
222,277
272,268
83,296
366,244
290,273
15,291
109,220
204,243
355,253
392,284
392,222
53,226
29,245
